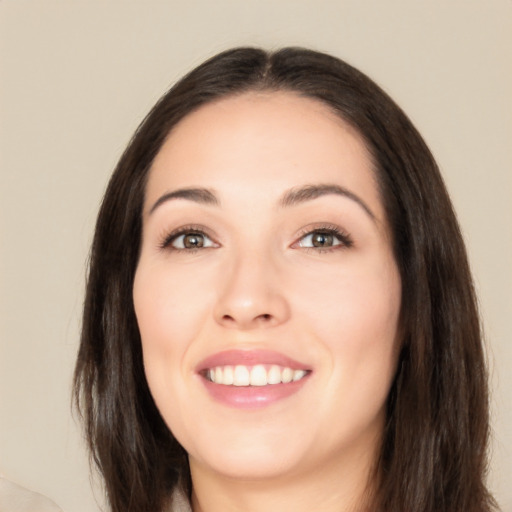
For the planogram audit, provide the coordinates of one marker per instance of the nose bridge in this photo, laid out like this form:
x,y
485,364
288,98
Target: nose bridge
x,y
250,294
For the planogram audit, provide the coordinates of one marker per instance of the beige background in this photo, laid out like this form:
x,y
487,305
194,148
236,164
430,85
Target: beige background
x,y
77,77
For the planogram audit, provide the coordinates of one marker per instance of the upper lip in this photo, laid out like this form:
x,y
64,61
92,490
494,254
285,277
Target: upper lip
x,y
249,358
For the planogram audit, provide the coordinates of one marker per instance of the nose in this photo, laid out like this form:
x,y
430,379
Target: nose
x,y
252,295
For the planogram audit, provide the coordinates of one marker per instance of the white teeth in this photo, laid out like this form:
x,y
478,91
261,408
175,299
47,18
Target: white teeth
x,y
228,376
218,374
241,376
274,375
258,375
298,374
287,375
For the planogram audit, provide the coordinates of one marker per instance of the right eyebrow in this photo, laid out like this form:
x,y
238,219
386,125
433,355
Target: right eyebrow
x,y
199,195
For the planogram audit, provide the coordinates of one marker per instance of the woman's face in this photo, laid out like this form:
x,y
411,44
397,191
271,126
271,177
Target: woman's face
x,y
266,294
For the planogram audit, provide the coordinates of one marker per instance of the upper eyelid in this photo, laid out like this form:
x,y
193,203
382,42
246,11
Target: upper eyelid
x,y
330,228
312,228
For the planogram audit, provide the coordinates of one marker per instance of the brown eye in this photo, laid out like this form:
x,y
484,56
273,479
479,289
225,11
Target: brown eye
x,y
322,239
190,241
193,240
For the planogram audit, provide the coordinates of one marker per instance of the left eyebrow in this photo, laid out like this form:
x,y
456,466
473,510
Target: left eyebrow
x,y
309,192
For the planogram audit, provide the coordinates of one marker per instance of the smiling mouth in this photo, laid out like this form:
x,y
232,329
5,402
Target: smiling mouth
x,y
257,375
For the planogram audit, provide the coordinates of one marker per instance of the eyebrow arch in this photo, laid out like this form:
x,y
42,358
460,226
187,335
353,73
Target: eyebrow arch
x,y
199,195
309,192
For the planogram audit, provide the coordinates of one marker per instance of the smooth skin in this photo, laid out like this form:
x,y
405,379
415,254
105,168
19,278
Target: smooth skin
x,y
247,263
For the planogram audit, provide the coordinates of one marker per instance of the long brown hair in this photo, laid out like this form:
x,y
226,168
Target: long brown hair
x,y
434,452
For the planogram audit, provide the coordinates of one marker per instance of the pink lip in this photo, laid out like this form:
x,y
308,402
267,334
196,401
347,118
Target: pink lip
x,y
250,397
249,358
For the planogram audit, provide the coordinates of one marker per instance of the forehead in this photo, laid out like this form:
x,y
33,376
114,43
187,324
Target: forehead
x,y
255,140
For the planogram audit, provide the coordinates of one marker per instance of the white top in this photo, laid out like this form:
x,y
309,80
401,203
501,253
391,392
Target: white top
x,y
179,503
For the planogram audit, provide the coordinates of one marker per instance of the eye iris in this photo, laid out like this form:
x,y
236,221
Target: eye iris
x,y
193,240
322,240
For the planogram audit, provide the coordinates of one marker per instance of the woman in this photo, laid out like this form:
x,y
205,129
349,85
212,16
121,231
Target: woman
x,y
279,310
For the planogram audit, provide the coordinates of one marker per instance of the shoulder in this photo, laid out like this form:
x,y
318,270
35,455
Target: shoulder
x,y
15,498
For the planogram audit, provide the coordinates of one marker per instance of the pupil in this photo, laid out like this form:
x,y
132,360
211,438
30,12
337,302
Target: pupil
x,y
192,241
322,239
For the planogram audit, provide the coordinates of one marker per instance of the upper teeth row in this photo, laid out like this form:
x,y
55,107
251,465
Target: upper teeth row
x,y
258,375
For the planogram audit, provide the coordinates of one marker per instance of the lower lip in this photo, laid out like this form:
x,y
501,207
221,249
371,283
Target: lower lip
x,y
252,397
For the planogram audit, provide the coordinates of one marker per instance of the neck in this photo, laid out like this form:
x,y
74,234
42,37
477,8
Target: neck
x,y
329,488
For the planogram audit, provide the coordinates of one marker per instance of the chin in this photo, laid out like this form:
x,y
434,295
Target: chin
x,y
250,455
255,464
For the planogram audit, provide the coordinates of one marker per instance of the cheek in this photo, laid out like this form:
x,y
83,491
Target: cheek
x,y
168,307
354,315
356,304
169,315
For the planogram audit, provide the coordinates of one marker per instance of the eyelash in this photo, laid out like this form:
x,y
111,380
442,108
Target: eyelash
x,y
169,238
330,230
327,229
